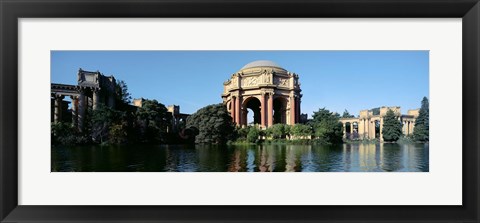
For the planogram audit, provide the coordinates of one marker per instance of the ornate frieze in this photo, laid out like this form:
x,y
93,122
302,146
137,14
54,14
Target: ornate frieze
x,y
250,81
280,81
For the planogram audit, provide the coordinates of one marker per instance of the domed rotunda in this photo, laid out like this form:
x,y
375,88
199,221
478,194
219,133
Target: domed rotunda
x,y
265,88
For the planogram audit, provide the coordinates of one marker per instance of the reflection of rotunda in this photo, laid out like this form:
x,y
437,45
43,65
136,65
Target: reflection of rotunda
x,y
266,89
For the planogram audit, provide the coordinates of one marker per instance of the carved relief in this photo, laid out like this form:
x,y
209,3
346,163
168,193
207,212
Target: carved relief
x,y
281,81
250,81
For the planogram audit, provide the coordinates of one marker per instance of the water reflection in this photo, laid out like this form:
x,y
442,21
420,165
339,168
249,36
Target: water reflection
x,y
252,158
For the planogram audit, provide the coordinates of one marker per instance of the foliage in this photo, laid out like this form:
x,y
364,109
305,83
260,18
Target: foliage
x,y
277,131
327,127
214,124
101,120
242,133
253,134
421,129
392,128
66,134
301,131
121,92
346,114
153,120
118,134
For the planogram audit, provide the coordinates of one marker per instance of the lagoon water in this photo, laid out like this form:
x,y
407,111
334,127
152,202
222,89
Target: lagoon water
x,y
245,158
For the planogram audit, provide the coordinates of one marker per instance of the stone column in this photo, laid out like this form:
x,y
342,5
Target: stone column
x,y
360,127
245,118
344,131
74,110
58,109
371,128
270,109
95,98
232,109
81,110
297,110
292,110
381,128
351,127
262,109
238,110
367,128
412,125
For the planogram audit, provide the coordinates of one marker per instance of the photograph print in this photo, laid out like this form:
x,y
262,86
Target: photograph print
x,y
240,111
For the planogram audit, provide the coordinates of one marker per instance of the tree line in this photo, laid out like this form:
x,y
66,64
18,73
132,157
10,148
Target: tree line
x,y
215,125
211,124
120,125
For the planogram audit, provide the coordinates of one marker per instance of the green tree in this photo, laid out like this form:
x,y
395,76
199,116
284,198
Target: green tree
x,y
392,128
277,131
153,121
121,92
301,130
253,134
101,120
421,129
346,114
214,124
327,126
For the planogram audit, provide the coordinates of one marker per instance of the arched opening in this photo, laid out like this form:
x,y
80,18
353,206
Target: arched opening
x,y
355,131
252,111
377,129
279,110
347,129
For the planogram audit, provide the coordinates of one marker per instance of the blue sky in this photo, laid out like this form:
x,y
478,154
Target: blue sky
x,y
336,80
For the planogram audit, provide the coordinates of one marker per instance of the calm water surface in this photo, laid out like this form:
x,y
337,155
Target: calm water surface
x,y
254,158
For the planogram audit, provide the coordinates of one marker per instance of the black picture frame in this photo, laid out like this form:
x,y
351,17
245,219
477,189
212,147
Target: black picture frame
x,y
11,11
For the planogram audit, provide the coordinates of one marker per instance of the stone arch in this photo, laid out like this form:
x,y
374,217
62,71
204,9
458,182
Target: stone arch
x,y
253,104
280,105
266,81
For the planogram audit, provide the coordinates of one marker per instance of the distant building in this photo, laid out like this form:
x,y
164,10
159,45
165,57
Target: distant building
x,y
369,124
178,120
92,89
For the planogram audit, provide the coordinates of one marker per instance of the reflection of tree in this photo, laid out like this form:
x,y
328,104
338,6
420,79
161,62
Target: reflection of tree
x,y
392,157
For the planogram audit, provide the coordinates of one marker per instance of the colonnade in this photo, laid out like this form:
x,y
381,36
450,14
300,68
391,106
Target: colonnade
x,y
407,127
79,103
365,127
290,114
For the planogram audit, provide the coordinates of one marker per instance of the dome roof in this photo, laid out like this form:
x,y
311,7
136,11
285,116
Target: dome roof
x,y
261,63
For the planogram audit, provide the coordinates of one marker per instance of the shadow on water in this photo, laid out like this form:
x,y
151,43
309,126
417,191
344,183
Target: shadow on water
x,y
242,158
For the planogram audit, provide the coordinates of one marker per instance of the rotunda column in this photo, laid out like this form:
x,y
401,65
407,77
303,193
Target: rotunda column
x,y
238,111
270,109
232,109
262,109
292,110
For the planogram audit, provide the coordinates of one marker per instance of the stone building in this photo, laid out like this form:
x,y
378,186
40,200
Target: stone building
x,y
268,90
368,125
178,120
92,89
